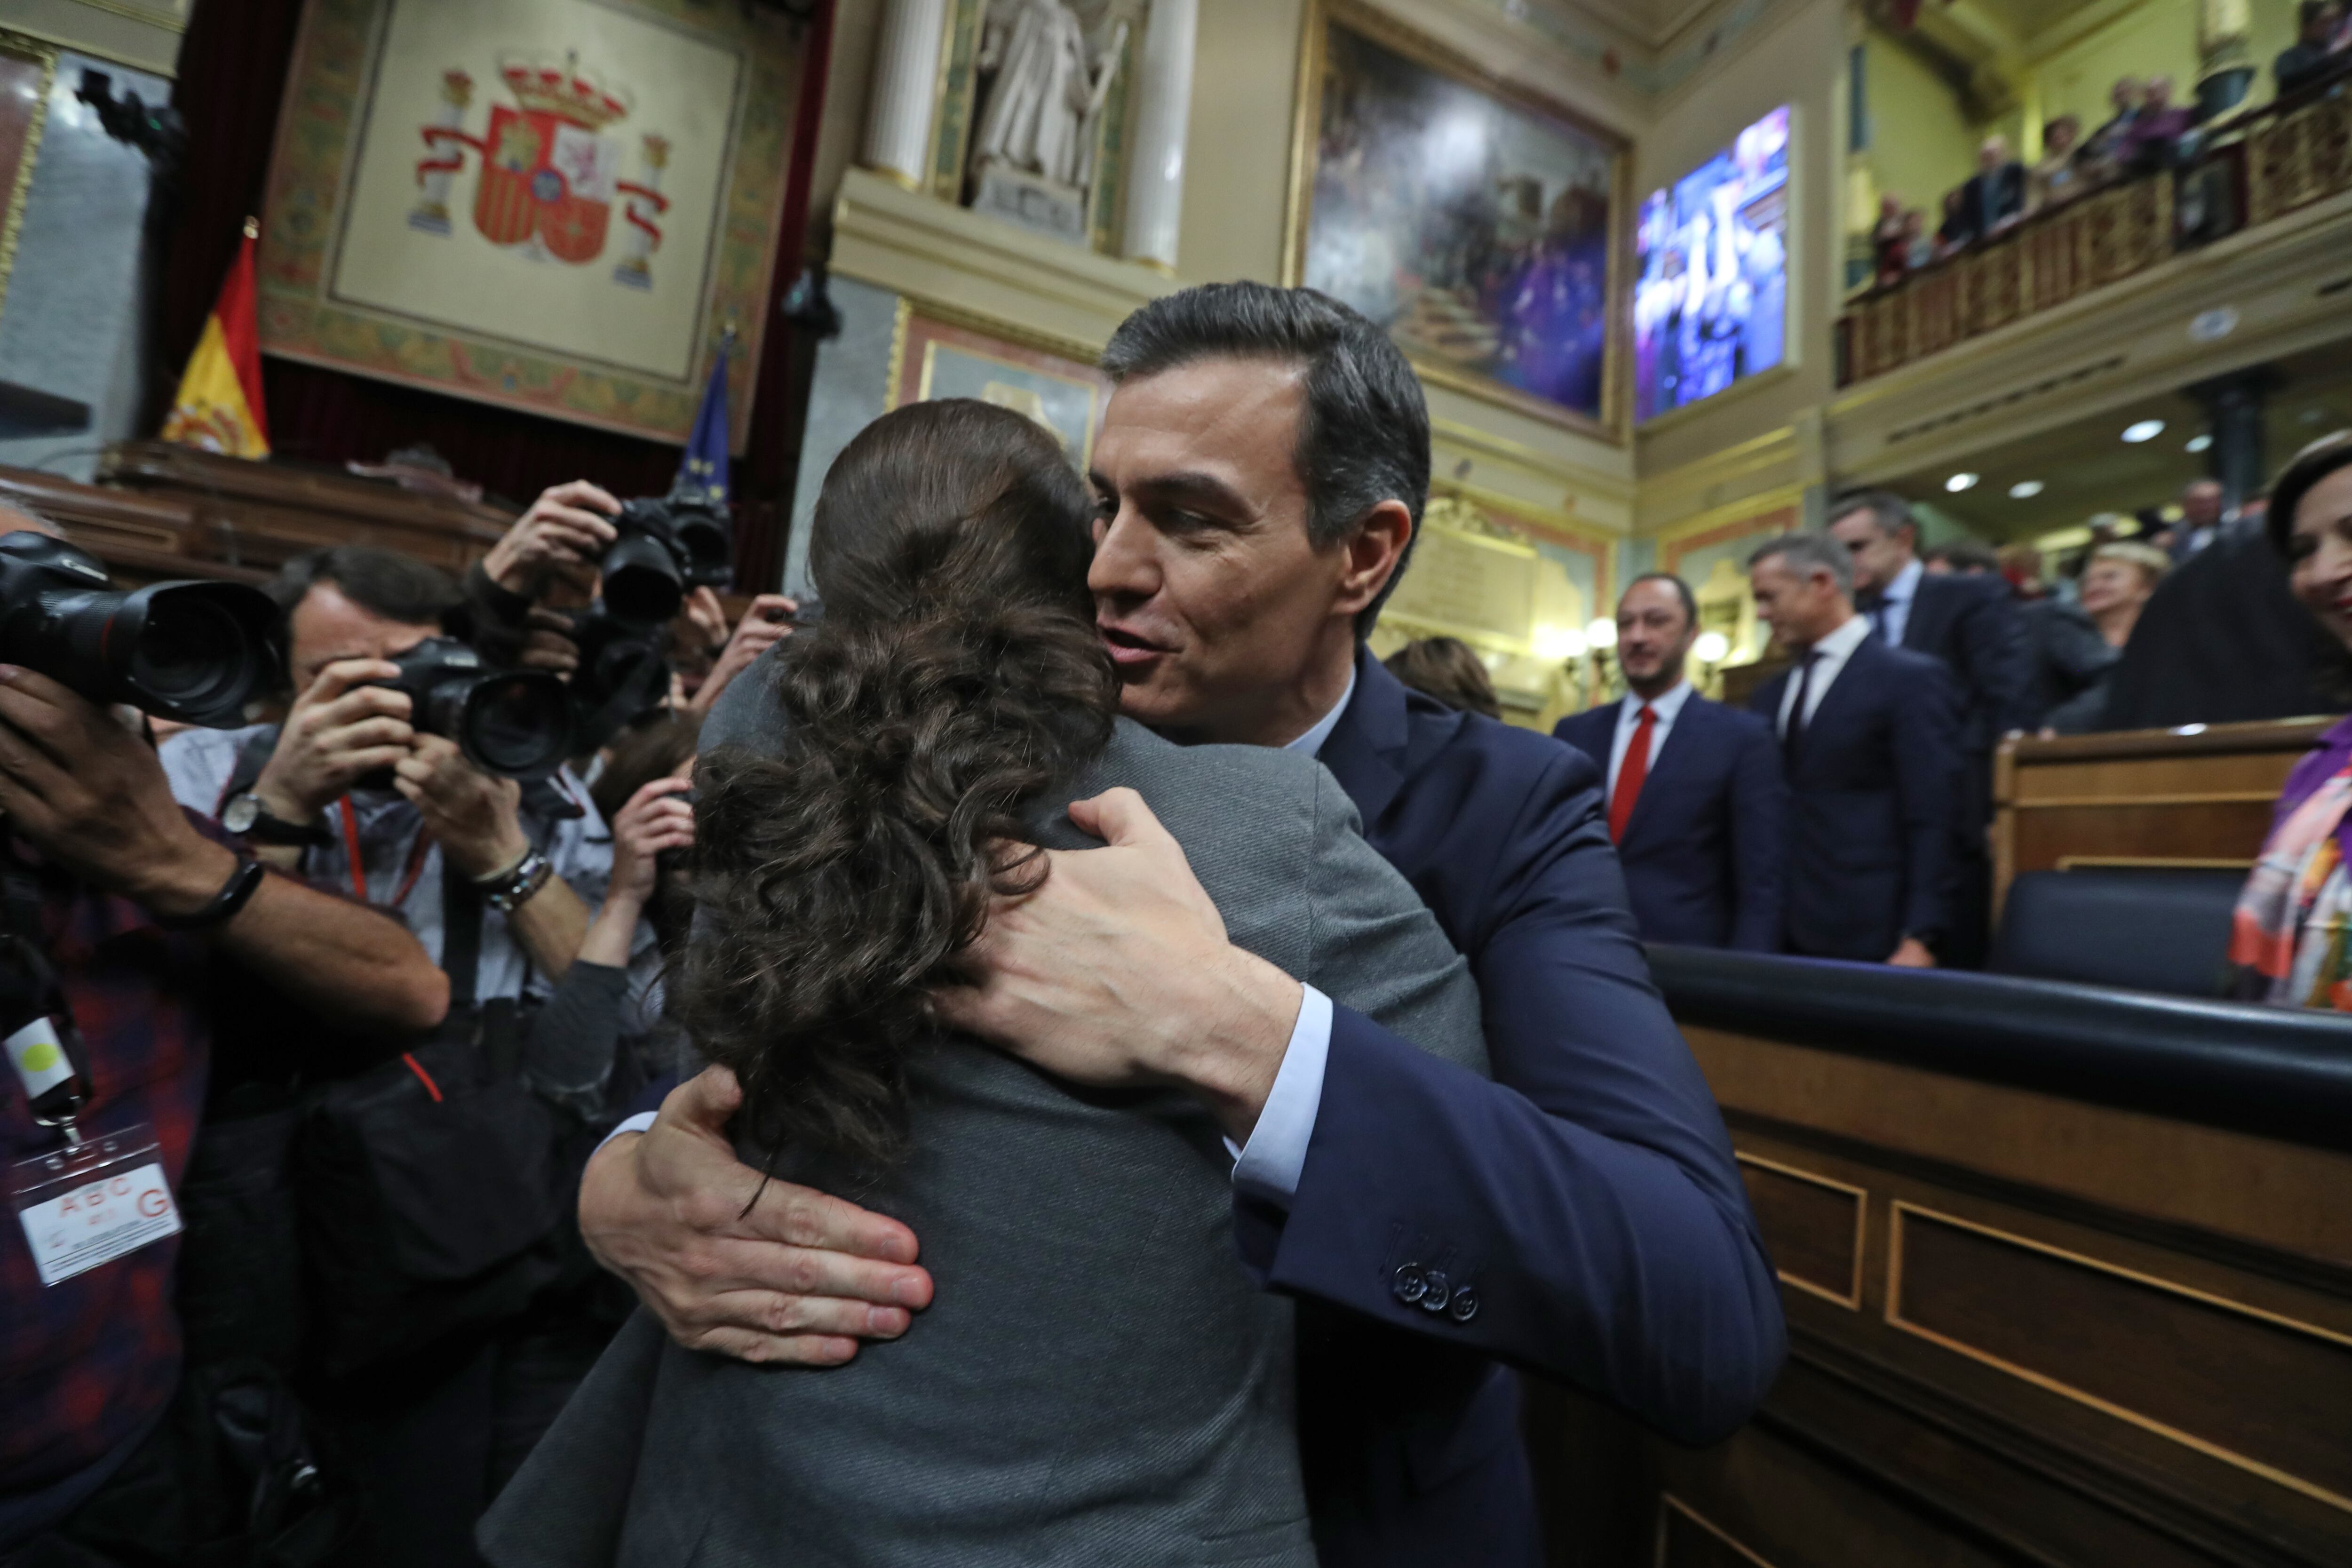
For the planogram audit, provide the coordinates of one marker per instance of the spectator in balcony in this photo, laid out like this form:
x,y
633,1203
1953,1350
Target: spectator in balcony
x,y
1448,669
1994,196
2287,942
1954,232
2058,177
1920,248
2154,139
2201,516
2313,58
1890,246
2104,150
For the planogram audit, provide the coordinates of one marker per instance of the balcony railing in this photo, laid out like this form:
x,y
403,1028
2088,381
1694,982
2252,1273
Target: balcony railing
x,y
2242,172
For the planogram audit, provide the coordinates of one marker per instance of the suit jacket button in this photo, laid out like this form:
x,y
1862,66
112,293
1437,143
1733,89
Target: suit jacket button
x,y
1433,1300
1465,1305
1409,1284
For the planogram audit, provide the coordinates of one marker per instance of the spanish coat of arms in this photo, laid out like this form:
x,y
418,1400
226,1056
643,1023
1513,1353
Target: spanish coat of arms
x,y
550,170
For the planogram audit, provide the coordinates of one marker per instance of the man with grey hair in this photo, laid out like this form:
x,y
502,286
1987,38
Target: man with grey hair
x,y
1870,736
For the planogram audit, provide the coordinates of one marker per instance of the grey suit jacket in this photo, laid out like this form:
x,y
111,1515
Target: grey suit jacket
x,y
1096,1381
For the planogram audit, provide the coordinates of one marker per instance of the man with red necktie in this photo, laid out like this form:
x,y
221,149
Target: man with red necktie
x,y
1696,805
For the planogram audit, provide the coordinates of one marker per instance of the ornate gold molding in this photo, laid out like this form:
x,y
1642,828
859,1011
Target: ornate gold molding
x,y
12,200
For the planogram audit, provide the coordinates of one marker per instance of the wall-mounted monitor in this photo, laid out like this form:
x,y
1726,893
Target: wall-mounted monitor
x,y
1711,295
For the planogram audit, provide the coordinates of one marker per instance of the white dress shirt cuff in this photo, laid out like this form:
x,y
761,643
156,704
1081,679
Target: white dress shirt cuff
x,y
1276,1154
637,1123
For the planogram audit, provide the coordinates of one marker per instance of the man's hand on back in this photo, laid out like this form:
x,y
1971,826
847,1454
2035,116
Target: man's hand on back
x,y
1118,970
768,1272
89,794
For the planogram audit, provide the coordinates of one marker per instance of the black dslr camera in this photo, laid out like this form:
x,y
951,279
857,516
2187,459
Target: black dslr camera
x,y
516,722
194,652
666,547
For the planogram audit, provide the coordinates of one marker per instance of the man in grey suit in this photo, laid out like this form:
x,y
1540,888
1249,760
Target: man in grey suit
x,y
1100,1382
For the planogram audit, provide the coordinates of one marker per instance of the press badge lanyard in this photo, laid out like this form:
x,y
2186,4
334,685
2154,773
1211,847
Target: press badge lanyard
x,y
97,1198
351,821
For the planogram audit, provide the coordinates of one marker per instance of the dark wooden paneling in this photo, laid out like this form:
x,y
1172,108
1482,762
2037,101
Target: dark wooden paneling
x,y
2268,1394
1812,1225
1688,1541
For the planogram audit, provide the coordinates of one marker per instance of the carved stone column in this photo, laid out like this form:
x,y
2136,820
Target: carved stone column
x,y
906,79
2234,406
1155,186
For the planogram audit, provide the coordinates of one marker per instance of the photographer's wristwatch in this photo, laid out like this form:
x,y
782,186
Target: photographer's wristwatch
x,y
244,816
508,891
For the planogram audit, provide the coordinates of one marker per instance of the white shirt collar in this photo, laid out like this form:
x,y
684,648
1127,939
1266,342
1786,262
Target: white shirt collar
x,y
1668,706
1840,644
1311,742
1906,584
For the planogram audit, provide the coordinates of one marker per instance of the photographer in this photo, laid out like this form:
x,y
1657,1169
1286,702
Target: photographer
x,y
130,898
350,610
497,880
519,598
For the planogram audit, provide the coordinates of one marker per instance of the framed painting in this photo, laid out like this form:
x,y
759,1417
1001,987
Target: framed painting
x,y
937,353
1481,223
27,68
557,206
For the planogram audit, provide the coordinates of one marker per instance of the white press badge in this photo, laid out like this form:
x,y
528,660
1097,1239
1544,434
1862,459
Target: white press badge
x,y
96,1198
90,1204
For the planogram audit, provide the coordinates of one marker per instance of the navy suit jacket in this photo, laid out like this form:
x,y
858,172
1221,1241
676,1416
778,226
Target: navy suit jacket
x,y
1870,804
1703,848
1974,625
1586,1197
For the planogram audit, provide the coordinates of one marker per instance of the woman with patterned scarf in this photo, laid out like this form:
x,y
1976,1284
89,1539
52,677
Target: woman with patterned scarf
x,y
2291,942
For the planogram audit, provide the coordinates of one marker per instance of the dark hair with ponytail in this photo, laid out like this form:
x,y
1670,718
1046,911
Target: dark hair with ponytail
x,y
956,676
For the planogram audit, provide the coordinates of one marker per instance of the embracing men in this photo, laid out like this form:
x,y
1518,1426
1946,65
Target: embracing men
x,y
1265,458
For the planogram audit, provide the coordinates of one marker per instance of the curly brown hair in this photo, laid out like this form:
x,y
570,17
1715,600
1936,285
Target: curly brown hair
x,y
956,676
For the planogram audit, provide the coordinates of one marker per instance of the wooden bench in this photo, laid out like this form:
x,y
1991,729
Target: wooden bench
x,y
2195,797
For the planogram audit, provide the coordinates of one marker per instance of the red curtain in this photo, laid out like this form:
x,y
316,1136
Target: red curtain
x,y
233,65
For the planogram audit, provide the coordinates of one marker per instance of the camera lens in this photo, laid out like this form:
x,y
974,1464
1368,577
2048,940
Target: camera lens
x,y
191,654
641,581
520,724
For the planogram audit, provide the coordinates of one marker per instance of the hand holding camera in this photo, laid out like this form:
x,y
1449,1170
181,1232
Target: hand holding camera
x,y
767,623
658,818
87,791
472,815
566,533
346,726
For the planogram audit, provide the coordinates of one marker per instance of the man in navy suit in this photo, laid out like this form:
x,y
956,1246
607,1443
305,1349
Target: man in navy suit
x,y
1696,804
1262,469
1973,626
1870,739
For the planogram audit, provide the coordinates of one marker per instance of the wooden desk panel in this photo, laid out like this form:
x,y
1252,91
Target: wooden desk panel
x,y
2077,1337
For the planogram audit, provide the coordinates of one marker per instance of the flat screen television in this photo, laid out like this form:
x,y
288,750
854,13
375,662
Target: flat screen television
x,y
1711,292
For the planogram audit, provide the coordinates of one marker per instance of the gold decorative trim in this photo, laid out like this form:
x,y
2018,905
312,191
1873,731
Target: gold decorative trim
x,y
899,317
12,201
2216,797
948,186
897,177
1306,128
1852,1300
1668,1502
1895,1319
2154,863
930,353
971,321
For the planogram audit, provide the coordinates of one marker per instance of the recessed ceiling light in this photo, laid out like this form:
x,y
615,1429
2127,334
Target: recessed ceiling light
x,y
2025,489
1960,482
2146,430
2200,443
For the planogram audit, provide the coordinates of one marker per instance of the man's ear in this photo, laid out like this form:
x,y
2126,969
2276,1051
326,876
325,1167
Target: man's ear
x,y
1372,555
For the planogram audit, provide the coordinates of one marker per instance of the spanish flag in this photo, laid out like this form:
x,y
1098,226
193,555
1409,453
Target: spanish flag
x,y
220,405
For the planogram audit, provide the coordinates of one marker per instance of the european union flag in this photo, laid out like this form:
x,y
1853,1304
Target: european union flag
x,y
704,467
